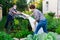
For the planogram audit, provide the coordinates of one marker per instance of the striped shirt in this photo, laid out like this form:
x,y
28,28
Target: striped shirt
x,y
11,11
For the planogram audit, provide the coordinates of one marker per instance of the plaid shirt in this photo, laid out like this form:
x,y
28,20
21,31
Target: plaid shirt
x,y
11,11
38,15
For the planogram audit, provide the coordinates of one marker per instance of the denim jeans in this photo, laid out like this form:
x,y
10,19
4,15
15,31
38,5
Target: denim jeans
x,y
9,20
43,24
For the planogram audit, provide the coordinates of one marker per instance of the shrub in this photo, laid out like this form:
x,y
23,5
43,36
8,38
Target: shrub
x,y
21,28
16,22
21,23
51,22
51,14
21,33
4,36
58,30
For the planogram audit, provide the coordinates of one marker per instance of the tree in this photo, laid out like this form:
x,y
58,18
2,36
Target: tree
x,y
40,5
21,5
6,5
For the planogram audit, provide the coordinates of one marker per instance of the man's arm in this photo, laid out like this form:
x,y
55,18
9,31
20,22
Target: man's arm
x,y
14,12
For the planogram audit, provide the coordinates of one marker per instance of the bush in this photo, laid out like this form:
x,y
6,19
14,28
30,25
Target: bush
x,y
21,28
21,33
51,22
58,26
22,24
58,30
4,36
51,14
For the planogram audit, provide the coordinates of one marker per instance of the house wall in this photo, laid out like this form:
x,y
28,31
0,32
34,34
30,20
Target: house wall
x,y
44,6
52,6
58,7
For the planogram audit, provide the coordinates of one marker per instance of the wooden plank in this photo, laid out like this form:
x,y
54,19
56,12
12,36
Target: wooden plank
x,y
0,13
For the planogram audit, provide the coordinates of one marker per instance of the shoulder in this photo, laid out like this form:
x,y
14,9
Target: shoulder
x,y
11,9
35,11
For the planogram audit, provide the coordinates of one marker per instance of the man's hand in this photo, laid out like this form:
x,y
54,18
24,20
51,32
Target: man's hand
x,y
14,12
18,12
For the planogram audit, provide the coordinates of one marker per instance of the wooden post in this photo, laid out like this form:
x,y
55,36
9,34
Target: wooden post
x,y
0,13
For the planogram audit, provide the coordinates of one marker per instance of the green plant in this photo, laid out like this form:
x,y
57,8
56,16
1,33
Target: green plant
x,y
21,28
51,14
16,22
27,12
51,36
21,5
51,22
21,23
22,33
58,30
2,23
43,36
4,36
40,5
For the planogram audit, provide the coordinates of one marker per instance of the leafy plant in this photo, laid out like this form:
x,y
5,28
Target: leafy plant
x,y
21,28
21,5
43,36
4,36
51,22
51,36
16,22
21,34
58,30
51,14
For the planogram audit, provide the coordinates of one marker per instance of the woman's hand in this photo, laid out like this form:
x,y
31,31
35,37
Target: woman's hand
x,y
31,14
35,22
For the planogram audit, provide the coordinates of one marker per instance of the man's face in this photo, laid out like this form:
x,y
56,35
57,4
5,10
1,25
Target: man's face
x,y
14,6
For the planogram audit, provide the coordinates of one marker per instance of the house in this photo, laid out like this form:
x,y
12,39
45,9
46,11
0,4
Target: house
x,y
51,5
